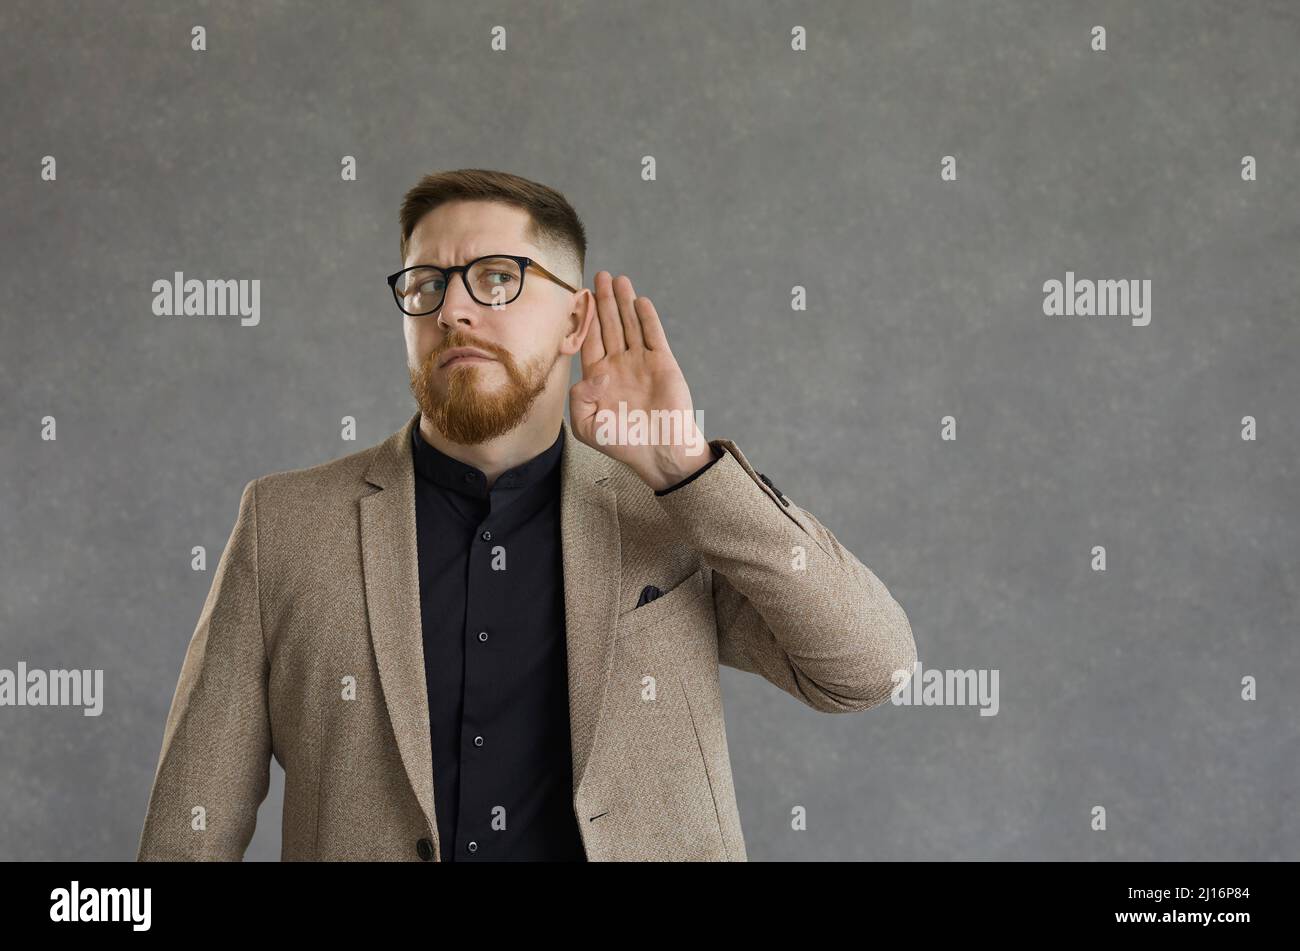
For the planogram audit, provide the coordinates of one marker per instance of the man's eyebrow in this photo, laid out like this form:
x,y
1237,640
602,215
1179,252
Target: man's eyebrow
x,y
475,257
436,264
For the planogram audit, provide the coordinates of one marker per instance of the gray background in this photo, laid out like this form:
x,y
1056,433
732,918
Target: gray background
x,y
775,168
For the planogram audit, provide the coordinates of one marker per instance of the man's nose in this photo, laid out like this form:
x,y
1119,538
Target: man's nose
x,y
458,308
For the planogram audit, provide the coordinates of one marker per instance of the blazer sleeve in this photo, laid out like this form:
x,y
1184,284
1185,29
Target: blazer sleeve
x,y
214,768
792,604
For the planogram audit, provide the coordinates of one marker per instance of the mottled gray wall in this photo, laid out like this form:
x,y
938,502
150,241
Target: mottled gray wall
x,y
821,168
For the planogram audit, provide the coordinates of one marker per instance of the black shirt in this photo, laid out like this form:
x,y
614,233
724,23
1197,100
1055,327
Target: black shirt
x,y
495,656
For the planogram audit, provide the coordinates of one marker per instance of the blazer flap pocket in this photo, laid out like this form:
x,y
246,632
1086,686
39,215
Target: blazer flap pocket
x,y
668,603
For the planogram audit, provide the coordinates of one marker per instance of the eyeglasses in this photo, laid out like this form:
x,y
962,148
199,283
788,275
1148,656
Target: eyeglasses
x,y
493,280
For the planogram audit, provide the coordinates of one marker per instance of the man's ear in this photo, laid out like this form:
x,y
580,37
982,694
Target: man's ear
x,y
580,319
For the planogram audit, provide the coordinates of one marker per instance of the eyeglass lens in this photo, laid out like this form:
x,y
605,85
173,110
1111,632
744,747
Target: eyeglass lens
x,y
491,282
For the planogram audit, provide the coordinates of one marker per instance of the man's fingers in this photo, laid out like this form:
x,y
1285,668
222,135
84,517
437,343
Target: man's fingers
x,y
611,325
652,329
625,295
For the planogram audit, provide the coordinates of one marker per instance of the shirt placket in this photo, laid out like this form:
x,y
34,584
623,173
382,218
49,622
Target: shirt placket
x,y
484,633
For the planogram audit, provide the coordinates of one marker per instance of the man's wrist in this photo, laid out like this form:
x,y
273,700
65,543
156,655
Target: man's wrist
x,y
665,481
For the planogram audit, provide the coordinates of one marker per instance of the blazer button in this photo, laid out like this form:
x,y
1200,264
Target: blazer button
x,y
771,485
425,849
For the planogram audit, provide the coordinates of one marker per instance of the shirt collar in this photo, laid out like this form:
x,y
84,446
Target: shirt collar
x,y
442,469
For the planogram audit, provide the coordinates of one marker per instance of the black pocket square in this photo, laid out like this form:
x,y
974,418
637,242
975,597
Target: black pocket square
x,y
648,594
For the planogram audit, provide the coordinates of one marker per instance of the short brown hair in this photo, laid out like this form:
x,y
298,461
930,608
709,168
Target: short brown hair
x,y
553,222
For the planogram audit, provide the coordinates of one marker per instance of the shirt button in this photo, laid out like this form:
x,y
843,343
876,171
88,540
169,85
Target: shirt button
x,y
473,846
478,741
486,536
482,635
469,477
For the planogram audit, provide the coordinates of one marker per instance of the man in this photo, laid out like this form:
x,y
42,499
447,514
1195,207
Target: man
x,y
496,634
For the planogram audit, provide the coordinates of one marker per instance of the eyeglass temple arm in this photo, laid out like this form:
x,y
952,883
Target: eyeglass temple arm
x,y
563,283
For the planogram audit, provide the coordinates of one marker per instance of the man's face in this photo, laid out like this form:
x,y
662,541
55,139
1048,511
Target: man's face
x,y
474,400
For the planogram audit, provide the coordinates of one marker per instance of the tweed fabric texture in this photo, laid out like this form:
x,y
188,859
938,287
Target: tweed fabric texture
x,y
309,649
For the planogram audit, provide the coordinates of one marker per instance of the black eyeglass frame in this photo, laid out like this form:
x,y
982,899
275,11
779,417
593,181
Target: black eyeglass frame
x,y
524,264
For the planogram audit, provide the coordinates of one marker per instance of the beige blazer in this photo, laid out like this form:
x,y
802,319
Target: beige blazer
x,y
309,649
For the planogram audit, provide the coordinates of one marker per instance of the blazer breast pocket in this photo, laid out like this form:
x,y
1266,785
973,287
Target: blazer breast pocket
x,y
671,602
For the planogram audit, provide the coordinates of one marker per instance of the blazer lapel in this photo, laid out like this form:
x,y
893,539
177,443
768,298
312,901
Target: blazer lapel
x,y
390,563
592,558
